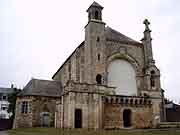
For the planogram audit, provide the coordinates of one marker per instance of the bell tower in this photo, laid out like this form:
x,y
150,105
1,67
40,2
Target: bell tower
x,y
95,12
94,41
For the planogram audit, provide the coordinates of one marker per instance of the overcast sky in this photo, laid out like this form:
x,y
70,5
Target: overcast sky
x,y
36,36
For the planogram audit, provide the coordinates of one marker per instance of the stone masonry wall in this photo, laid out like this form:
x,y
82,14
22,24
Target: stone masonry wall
x,y
37,105
92,58
141,116
43,104
90,106
23,120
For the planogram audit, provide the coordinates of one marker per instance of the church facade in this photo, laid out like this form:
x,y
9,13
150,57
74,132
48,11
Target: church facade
x,y
110,81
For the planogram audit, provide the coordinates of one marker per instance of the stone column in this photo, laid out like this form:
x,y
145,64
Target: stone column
x,y
156,112
100,112
71,109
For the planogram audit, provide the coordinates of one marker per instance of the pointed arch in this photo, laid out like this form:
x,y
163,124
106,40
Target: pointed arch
x,y
122,71
126,57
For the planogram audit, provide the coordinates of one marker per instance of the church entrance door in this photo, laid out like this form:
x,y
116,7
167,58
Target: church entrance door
x,y
78,118
127,118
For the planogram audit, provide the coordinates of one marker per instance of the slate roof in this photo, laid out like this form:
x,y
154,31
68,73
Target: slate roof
x,y
6,90
37,87
114,35
111,35
95,4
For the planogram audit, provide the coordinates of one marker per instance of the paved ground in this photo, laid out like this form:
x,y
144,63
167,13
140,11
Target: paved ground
x,y
3,133
55,131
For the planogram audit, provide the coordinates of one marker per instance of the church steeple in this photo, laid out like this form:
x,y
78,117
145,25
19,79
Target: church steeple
x,y
147,44
95,12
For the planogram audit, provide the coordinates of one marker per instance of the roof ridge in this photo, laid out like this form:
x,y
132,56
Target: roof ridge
x,y
96,4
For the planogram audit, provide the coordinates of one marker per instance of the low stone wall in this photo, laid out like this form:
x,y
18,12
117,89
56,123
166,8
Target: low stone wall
x,y
141,112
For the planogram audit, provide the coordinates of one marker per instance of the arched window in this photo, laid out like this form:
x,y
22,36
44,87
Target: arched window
x,y
122,75
97,39
96,14
152,78
99,57
99,79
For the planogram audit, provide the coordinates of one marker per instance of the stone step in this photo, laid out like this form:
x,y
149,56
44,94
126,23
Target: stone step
x,y
169,125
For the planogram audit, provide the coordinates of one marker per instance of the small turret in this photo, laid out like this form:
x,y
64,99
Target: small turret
x,y
95,11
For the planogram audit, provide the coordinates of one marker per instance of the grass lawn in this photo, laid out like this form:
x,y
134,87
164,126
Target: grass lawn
x,y
53,131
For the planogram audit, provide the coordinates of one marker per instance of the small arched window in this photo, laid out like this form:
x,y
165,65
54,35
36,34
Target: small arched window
x,y
97,39
152,78
99,57
96,14
99,79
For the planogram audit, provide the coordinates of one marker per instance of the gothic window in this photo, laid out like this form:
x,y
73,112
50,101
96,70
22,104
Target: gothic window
x,y
24,107
152,79
96,14
99,79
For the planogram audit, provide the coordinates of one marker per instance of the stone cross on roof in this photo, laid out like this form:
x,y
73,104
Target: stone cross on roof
x,y
146,22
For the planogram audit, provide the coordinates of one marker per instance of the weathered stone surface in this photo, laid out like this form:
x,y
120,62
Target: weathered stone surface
x,y
101,46
36,106
81,90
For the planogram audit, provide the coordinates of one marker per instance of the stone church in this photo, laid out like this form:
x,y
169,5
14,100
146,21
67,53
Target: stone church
x,y
110,81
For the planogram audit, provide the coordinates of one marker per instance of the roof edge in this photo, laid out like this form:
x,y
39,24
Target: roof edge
x,y
82,43
95,4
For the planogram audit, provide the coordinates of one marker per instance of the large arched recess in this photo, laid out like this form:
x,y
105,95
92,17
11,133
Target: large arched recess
x,y
122,75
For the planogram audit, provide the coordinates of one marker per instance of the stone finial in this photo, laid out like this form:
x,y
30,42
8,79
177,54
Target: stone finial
x,y
147,23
